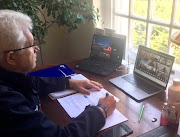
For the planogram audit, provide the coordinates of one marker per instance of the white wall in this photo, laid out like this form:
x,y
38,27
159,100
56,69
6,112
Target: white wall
x,y
105,12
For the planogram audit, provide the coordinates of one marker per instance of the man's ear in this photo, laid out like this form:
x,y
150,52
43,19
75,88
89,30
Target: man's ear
x,y
10,58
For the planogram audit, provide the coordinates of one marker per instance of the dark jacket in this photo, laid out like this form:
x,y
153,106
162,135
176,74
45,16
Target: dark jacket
x,y
20,115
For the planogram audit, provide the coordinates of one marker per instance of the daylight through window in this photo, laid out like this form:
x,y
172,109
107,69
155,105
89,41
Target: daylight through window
x,y
148,22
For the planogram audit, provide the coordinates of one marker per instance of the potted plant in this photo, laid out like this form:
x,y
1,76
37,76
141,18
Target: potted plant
x,y
68,13
46,13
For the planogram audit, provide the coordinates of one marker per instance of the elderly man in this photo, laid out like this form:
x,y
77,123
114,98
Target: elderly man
x,y
19,93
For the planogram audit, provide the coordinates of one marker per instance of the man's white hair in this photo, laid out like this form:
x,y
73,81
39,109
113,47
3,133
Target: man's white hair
x,y
12,27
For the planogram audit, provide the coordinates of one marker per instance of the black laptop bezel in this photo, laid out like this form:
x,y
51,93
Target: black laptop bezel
x,y
161,54
121,52
115,63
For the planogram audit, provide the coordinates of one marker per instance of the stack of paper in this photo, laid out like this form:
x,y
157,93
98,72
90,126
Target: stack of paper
x,y
60,94
75,104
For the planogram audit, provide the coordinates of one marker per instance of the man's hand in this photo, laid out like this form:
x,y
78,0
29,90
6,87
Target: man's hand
x,y
83,85
109,102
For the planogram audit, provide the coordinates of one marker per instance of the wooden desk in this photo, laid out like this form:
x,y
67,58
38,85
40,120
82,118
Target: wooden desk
x,y
126,105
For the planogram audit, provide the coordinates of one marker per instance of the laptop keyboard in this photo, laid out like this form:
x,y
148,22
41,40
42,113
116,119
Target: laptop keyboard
x,y
141,84
105,65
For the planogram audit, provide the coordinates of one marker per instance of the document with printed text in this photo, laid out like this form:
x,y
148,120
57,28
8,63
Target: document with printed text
x,y
75,104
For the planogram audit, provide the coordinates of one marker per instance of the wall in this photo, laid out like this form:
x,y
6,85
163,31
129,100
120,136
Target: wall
x,y
105,12
79,42
55,48
62,47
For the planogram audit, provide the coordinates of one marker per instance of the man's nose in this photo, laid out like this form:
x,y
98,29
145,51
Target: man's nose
x,y
36,49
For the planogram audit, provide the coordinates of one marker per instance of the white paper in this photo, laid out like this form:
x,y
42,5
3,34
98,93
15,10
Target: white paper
x,y
59,94
115,118
178,132
79,77
75,104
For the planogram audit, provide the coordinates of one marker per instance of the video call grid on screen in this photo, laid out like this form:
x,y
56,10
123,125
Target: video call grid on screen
x,y
154,65
106,47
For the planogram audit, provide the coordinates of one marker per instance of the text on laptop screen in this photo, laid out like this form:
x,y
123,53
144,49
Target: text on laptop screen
x,y
154,65
106,47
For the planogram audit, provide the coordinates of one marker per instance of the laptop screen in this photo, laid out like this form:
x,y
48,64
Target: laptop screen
x,y
154,65
108,48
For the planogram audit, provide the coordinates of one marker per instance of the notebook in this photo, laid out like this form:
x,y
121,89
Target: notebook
x,y
56,71
150,76
105,56
61,70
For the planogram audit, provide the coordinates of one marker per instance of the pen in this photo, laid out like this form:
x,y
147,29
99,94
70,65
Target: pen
x,y
107,94
142,109
62,72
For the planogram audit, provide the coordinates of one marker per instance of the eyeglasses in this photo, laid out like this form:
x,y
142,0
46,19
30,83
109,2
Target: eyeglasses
x,y
34,44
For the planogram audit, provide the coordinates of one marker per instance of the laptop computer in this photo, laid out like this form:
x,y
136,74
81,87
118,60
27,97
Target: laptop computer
x,y
150,76
105,56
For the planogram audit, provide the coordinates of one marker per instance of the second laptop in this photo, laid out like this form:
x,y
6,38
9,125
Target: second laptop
x,y
105,56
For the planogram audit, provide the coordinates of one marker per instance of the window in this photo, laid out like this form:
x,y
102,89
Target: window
x,y
148,22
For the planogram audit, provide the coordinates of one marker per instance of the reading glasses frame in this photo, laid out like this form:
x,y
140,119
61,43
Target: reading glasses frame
x,y
34,44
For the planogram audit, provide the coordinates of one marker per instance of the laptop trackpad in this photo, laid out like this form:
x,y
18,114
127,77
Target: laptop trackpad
x,y
129,88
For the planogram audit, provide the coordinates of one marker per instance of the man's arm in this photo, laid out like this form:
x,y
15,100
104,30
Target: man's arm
x,y
18,118
46,85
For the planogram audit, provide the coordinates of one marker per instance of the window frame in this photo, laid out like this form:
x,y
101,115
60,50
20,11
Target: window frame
x,y
149,20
